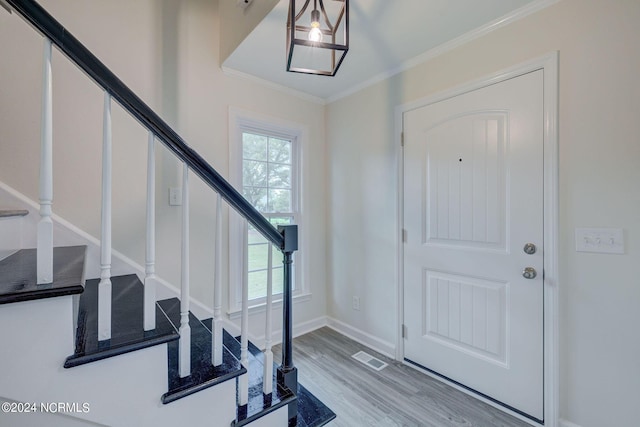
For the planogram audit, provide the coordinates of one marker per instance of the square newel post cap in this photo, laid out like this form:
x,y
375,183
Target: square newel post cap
x,y
290,234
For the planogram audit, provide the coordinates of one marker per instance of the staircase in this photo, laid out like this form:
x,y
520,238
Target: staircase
x,y
129,359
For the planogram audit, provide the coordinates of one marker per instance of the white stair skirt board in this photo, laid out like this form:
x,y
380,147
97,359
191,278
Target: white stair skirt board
x,y
370,361
67,234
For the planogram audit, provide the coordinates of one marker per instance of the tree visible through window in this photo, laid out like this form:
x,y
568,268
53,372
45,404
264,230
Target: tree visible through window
x,y
268,183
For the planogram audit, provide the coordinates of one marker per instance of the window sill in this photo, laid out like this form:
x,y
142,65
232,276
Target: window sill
x,y
261,308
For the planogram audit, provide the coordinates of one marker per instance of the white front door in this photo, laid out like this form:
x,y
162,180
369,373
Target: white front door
x,y
473,198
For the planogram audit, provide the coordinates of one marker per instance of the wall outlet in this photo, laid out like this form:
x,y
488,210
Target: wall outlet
x,y
175,196
356,303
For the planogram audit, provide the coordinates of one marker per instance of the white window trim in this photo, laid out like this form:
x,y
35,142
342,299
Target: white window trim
x,y
241,120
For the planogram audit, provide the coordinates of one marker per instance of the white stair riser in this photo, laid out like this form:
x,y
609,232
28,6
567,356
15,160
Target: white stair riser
x,y
278,418
118,389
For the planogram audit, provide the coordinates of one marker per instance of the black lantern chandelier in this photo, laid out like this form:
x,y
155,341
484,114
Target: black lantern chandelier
x,y
318,38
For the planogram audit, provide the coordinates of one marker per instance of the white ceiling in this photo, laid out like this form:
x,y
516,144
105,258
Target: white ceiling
x,y
384,35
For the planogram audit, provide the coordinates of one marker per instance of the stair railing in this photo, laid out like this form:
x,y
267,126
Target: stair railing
x,y
285,238
267,385
44,254
150,279
104,287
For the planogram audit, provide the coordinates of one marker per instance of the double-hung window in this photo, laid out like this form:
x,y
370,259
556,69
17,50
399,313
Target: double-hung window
x,y
268,159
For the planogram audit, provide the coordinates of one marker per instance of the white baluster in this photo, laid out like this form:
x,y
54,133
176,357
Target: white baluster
x,y
216,336
104,288
243,380
184,355
45,225
267,378
150,264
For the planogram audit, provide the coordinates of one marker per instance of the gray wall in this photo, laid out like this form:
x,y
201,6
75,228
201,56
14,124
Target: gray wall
x,y
599,175
167,52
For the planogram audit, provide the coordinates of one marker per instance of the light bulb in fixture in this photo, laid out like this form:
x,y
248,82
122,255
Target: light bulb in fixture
x,y
315,35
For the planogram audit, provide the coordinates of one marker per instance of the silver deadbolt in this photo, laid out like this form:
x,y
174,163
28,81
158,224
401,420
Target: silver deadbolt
x,y
529,273
529,249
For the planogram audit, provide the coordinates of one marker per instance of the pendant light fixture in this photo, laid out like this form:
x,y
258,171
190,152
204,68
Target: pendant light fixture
x,y
317,36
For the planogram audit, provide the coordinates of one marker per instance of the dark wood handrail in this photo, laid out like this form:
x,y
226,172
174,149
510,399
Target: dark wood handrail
x,y
47,25
284,237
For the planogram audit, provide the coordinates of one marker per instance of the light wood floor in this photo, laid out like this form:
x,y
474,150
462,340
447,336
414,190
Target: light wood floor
x,y
396,396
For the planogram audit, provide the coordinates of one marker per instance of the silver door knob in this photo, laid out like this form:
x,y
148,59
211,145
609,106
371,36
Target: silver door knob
x,y
529,249
529,273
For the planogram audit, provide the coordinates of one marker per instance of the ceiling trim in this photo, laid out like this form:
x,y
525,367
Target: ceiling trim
x,y
507,19
281,88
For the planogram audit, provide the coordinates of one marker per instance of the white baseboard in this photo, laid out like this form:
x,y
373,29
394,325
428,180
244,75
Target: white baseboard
x,y
298,329
308,326
374,343
364,338
565,423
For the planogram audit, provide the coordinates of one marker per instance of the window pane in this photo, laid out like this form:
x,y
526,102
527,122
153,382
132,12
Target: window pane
x,y
256,196
279,150
279,176
254,173
279,201
258,284
258,279
258,256
277,278
267,183
280,220
254,146
255,236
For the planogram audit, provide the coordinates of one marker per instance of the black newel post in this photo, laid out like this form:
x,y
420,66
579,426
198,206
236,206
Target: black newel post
x,y
287,373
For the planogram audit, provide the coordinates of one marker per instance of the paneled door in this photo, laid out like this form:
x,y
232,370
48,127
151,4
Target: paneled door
x,y
473,220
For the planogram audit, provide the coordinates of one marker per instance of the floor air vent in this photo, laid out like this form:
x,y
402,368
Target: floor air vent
x,y
369,360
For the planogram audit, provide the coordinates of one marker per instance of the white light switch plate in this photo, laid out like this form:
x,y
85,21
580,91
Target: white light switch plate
x,y
175,196
600,240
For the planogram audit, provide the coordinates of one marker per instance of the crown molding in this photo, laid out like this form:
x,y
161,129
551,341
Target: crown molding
x,y
481,31
281,88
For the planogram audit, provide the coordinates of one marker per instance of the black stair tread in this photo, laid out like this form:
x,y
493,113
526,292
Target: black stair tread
x,y
18,275
259,405
7,213
127,328
311,411
203,373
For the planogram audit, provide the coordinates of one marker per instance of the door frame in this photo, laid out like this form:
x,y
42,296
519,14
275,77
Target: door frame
x,y
549,64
